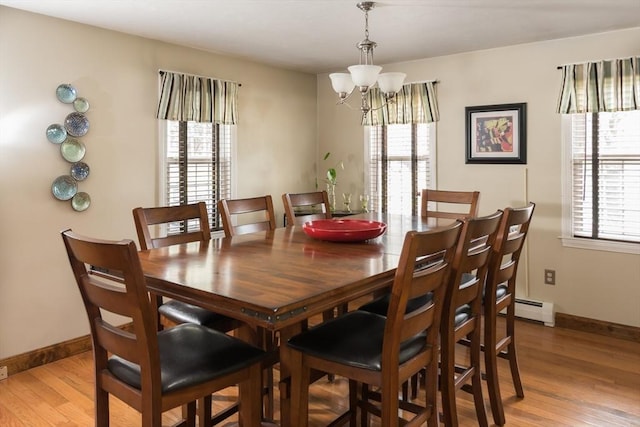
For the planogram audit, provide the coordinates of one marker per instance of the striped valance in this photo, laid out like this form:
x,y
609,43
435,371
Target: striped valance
x,y
600,86
414,103
186,97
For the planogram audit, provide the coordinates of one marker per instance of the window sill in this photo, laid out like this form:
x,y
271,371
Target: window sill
x,y
601,245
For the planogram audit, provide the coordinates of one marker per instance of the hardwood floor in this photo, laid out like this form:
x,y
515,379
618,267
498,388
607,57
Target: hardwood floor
x,y
571,379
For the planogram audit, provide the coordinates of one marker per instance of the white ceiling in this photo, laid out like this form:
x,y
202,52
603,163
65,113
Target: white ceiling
x,y
320,35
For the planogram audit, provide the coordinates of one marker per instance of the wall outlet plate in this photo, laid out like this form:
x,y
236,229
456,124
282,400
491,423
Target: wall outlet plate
x,y
549,277
3,373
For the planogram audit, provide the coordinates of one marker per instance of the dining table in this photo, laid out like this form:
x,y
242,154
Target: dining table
x,y
276,280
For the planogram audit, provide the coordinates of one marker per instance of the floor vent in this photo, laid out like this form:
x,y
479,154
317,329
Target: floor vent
x,y
536,310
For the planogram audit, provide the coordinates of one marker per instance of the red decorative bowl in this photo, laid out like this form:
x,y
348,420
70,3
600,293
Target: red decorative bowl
x,y
344,230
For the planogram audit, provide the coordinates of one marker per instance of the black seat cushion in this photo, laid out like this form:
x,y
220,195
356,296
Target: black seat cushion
x,y
501,290
191,354
354,339
181,312
381,305
462,314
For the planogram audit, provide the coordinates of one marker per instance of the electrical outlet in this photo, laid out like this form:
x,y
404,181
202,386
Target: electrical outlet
x,y
3,373
549,277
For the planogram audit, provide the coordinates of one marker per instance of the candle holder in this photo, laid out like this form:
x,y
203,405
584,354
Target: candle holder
x,y
364,202
346,199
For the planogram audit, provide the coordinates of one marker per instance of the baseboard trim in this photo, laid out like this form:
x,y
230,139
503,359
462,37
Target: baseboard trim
x,y
42,356
615,330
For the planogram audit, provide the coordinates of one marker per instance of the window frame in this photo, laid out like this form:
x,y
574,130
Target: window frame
x,y
162,170
432,140
567,238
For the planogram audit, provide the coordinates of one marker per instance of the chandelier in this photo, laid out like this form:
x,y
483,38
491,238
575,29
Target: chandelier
x,y
365,75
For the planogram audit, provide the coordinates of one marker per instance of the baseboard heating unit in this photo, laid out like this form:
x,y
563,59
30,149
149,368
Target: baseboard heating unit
x,y
536,310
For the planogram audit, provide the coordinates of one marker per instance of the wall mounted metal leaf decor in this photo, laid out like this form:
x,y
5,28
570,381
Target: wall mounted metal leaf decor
x,y
67,136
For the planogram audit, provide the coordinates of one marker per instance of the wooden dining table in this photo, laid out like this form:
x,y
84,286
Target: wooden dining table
x,y
276,280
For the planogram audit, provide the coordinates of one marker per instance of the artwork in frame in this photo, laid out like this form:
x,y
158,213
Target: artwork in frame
x,y
496,134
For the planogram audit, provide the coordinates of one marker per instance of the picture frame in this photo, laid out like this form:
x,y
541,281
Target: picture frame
x,y
496,134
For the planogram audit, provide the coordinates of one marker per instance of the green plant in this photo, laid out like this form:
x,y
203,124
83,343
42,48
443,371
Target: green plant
x,y
332,173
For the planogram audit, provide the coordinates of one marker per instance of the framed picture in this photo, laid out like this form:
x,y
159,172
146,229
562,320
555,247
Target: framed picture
x,y
497,134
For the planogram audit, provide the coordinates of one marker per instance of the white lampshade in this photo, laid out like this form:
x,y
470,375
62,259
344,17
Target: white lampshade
x,y
364,75
341,82
390,83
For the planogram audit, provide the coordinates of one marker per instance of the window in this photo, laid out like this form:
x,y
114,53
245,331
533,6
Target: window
x,y
602,181
401,163
196,166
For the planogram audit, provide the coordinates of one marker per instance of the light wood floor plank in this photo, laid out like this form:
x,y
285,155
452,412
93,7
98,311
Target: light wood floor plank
x,y
571,379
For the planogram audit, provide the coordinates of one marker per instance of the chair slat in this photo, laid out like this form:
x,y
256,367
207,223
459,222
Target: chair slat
x,y
465,204
110,298
258,210
145,218
117,341
315,205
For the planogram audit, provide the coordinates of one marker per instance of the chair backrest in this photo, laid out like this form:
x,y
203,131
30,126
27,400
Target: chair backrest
x,y
247,208
454,200
506,250
469,267
145,218
125,294
311,206
418,275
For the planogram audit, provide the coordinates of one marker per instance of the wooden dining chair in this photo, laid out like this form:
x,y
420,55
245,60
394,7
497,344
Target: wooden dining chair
x,y
310,206
192,222
150,370
256,214
314,205
462,316
241,216
381,352
500,291
450,204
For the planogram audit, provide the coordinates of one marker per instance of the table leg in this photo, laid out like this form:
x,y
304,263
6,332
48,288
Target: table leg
x,y
285,373
262,338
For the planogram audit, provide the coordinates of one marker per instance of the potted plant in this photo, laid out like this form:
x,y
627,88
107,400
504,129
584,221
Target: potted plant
x,y
331,180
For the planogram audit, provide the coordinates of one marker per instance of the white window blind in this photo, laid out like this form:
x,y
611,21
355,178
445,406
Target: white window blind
x,y
605,176
400,165
197,167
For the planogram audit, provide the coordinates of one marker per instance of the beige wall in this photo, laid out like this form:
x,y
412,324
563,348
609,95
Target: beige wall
x,y
282,118
117,73
593,284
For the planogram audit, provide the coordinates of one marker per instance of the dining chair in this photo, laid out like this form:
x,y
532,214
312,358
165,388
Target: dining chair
x,y
499,295
314,205
251,214
380,352
462,316
380,302
256,214
467,202
154,371
450,204
192,223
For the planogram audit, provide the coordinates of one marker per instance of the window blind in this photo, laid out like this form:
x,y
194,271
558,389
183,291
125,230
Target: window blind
x,y
399,166
606,175
198,167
